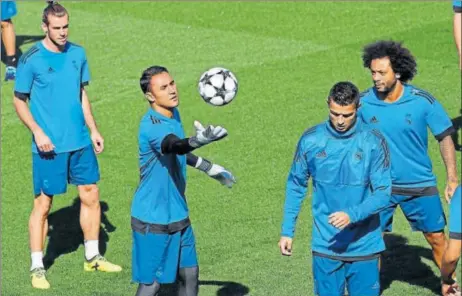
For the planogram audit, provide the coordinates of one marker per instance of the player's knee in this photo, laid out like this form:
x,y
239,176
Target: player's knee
x,y
436,239
6,24
91,189
89,195
42,204
452,253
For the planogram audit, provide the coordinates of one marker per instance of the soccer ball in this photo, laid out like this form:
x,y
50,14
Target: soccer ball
x,y
218,86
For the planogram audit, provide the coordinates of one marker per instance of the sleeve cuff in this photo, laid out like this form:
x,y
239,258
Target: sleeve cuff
x,y
21,96
204,165
449,131
286,233
191,159
457,9
352,216
85,83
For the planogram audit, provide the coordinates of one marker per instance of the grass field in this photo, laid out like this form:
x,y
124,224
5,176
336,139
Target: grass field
x,y
286,57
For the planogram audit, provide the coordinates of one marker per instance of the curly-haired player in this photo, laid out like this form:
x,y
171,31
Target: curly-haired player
x,y
402,113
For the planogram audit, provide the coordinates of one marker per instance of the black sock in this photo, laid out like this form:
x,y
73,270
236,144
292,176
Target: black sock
x,y
11,61
189,281
148,290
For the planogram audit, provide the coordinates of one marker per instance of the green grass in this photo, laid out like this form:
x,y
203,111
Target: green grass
x,y
286,57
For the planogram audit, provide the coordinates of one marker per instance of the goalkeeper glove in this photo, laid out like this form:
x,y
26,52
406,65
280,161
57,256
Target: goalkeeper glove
x,y
207,135
216,172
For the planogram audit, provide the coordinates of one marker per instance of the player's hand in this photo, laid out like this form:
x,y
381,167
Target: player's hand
x,y
206,135
450,290
285,245
222,175
451,186
98,142
42,141
339,220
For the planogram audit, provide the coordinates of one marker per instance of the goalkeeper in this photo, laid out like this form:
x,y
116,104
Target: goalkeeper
x,y
350,167
163,240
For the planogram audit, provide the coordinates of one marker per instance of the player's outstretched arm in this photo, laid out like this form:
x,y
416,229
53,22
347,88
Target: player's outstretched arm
x,y
296,187
214,171
380,181
172,144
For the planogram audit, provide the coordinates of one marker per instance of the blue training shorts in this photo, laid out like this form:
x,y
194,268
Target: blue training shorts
x,y
8,10
52,172
156,257
424,213
361,278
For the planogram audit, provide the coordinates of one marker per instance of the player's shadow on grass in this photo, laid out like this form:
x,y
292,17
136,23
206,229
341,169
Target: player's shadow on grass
x,y
20,41
226,288
457,123
402,262
65,234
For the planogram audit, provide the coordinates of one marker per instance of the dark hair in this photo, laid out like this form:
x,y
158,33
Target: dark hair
x,y
147,75
55,9
401,59
344,93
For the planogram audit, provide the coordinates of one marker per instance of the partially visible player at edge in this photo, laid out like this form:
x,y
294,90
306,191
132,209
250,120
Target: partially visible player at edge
x,y
452,254
349,164
402,112
52,77
8,10
453,251
457,28
163,239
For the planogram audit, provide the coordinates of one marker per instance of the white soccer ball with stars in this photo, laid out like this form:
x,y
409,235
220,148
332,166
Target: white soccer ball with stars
x,y
218,86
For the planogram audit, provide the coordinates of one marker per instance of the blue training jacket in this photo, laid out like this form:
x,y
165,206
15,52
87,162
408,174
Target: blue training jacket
x,y
350,173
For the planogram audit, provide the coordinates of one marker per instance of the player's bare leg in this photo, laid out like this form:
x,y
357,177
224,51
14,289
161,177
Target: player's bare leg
x,y
37,235
9,41
438,242
90,211
90,220
38,224
9,37
449,265
44,233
